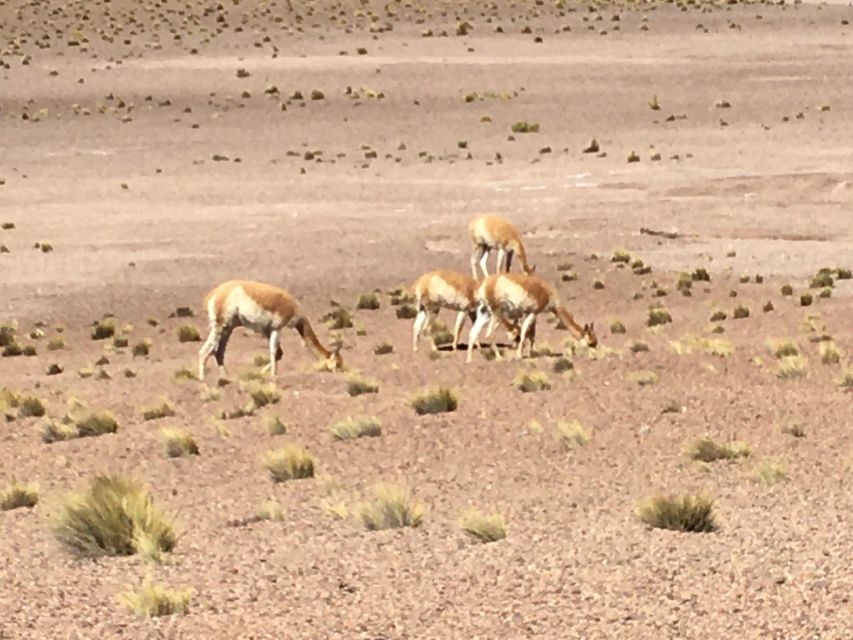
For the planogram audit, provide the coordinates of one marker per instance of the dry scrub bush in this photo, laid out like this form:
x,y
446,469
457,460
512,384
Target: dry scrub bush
x,y
19,495
368,301
383,349
795,429
179,443
679,513
188,333
289,463
769,472
658,317
829,353
162,410
81,421
791,367
707,450
572,435
114,517
357,385
782,348
392,508
270,510
103,329
262,394
274,426
528,382
436,400
153,601
484,527
338,318
352,428
845,380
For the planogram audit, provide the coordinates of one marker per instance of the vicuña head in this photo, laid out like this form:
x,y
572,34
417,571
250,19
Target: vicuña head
x,y
518,298
491,232
264,309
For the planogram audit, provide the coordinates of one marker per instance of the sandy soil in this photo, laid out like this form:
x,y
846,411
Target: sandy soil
x,y
115,119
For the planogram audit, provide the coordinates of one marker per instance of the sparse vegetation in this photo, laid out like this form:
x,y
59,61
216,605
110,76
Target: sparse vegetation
x,y
691,513
523,126
153,601
707,450
352,428
821,279
740,312
845,380
103,329
179,443
806,300
562,364
262,394
638,347
658,316
643,378
484,527
787,290
162,410
437,400
56,343
392,508
18,496
80,422
795,429
115,516
369,301
188,333
274,426
356,385
617,328
769,472
572,435
30,407
382,349
289,463
338,318
406,312
782,348
141,349
791,367
528,382
621,256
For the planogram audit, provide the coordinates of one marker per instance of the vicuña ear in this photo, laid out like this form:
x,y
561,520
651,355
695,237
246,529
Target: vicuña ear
x,y
533,269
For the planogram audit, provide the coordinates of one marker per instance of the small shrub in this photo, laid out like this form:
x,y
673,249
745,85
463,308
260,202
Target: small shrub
x,y
845,380
740,312
795,429
352,428
768,307
617,328
782,348
153,601
718,316
392,508
162,410
141,349
436,400
183,374
188,333
30,407
562,364
769,472
658,317
643,378
262,394
824,293
572,435
383,349
357,386
484,527
441,336
791,367
787,290
19,496
289,463
368,301
274,426
597,284
806,300
532,381
621,256
525,127
679,513
338,318
179,443
406,312
701,275
56,343
120,342
822,278
843,274
103,329
115,517
638,347
707,450
7,335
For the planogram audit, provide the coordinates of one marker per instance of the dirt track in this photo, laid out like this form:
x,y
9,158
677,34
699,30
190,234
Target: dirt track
x,y
142,220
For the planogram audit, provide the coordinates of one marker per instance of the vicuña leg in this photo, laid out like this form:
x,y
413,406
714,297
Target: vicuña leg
x,y
499,264
522,336
275,353
484,261
207,349
477,255
483,317
219,352
460,320
417,329
509,255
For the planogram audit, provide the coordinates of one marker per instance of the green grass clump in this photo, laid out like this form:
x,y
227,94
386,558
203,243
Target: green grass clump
x,y
289,463
141,349
103,329
769,472
383,349
352,428
30,407
821,279
572,435
791,367
617,328
153,601
621,256
357,385
179,443
188,333
115,516
707,450
162,410
679,513
368,301
484,527
523,126
338,318
528,382
658,317
19,496
406,312
436,400
392,508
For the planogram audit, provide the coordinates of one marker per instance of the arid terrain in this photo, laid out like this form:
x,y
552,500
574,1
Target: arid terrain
x,y
151,150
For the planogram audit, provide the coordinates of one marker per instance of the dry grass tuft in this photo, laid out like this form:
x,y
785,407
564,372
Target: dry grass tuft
x,y
115,517
289,463
274,426
658,317
436,400
406,312
795,429
679,513
188,333
141,349
392,508
707,450
791,367
338,318
103,329
19,496
179,443
528,382
383,349
262,394
270,510
30,407
80,422
845,380
153,601
484,527
829,353
352,428
769,472
162,410
616,327
368,301
572,435
357,385
782,348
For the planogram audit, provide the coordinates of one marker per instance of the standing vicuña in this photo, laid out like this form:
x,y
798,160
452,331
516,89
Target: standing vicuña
x,y
491,232
264,309
520,297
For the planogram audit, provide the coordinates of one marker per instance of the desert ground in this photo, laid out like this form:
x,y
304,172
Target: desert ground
x,y
151,150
